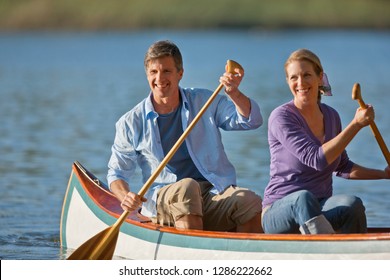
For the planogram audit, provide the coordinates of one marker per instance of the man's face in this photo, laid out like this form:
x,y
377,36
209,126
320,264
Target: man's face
x,y
163,77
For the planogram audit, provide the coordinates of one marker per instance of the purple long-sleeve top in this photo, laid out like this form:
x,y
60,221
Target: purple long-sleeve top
x,y
297,159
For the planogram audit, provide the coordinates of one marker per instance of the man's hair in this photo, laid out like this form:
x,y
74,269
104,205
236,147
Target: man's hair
x,y
161,49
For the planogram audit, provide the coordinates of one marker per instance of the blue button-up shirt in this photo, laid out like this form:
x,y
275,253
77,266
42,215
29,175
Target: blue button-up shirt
x,y
138,142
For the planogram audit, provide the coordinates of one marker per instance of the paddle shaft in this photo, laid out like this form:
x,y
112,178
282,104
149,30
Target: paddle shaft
x,y
357,95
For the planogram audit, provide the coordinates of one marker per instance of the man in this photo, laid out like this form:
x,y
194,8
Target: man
x,y
197,189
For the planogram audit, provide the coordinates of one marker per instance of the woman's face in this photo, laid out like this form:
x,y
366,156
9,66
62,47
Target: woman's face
x,y
303,81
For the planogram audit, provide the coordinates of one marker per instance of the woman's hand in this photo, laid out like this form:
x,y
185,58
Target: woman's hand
x,y
364,116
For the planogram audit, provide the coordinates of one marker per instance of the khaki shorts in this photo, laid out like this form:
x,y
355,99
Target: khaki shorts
x,y
221,212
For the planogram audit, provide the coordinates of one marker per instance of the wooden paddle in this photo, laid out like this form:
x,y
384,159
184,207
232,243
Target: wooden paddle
x,y
356,95
102,245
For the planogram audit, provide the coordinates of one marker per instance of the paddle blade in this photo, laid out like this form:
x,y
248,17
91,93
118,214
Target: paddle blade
x,y
99,247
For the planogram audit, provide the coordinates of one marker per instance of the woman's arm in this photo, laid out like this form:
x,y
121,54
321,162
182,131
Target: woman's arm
x,y
364,173
333,148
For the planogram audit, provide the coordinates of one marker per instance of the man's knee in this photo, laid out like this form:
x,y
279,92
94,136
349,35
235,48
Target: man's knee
x,y
189,189
247,204
245,197
187,199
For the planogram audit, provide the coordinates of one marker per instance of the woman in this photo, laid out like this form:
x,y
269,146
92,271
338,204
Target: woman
x,y
307,145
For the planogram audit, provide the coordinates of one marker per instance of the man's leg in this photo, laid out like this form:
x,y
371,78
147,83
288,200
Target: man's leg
x,y
236,209
189,222
180,204
253,225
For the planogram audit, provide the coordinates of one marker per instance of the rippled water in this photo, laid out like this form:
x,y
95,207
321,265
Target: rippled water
x,y
61,94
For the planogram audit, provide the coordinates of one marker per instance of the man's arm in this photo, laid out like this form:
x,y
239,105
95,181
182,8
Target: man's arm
x,y
130,201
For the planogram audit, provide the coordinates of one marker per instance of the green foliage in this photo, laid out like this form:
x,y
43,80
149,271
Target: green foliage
x,y
182,14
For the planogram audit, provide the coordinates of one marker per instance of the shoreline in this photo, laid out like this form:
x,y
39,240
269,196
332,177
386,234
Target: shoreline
x,y
102,15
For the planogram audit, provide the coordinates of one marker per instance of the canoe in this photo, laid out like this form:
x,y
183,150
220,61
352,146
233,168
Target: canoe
x,y
89,207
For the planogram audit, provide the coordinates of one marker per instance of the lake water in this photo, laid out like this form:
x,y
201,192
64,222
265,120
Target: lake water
x,y
61,94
